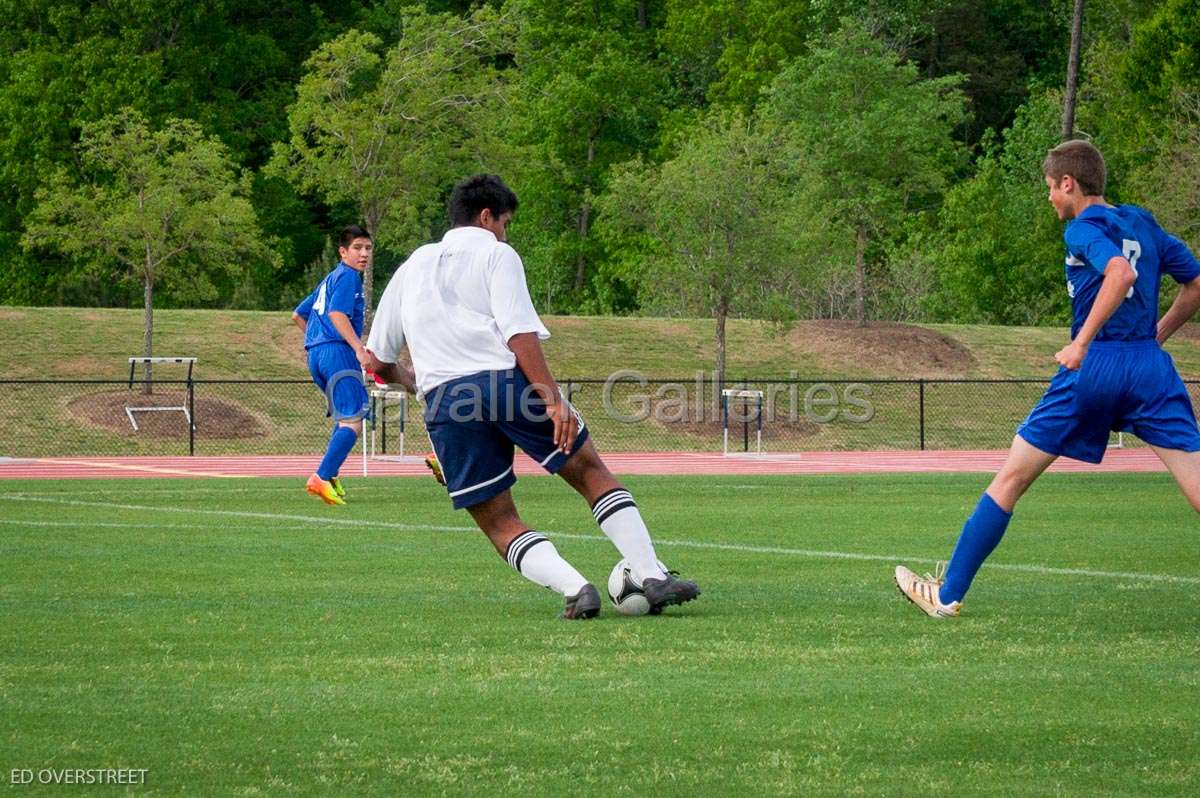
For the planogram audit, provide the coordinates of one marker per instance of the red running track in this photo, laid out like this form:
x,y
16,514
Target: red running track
x,y
679,463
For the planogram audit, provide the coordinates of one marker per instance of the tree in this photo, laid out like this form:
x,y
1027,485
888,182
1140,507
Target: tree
x,y
385,133
231,67
724,52
588,94
877,136
166,205
997,246
1068,121
718,221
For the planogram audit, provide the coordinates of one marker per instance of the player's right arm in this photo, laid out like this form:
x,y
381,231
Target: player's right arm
x,y
531,360
523,332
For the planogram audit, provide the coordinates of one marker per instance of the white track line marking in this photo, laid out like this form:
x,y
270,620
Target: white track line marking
x,y
93,524
691,544
310,519
146,468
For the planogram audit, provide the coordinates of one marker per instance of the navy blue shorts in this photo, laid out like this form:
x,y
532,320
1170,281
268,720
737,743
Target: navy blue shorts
x,y
474,422
335,370
1122,386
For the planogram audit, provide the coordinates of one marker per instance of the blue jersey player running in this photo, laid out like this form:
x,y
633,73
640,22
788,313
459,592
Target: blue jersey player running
x,y
331,318
1113,376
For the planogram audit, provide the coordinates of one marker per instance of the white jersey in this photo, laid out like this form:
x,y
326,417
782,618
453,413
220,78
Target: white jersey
x,y
456,304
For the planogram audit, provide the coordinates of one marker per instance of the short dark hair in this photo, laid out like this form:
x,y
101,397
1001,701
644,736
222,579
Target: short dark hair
x,y
1081,160
472,195
351,232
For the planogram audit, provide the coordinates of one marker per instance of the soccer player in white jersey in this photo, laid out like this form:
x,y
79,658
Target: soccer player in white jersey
x,y
462,307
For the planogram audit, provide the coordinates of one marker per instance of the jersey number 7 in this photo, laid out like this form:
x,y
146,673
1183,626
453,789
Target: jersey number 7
x,y
1131,249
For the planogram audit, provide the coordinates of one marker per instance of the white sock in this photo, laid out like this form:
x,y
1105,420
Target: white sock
x,y
618,516
535,558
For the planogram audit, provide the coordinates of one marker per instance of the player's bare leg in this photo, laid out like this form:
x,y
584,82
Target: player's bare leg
x,y
1024,464
587,473
533,556
619,518
940,598
1185,467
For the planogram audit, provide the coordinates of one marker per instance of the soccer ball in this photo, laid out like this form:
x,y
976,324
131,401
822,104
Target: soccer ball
x,y
625,595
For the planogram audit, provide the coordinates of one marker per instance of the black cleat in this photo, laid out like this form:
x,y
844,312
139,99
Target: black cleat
x,y
584,604
665,592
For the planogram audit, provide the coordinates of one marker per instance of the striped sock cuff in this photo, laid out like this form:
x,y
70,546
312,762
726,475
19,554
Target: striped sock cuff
x,y
616,499
520,545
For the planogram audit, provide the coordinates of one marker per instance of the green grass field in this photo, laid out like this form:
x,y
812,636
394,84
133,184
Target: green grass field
x,y
235,637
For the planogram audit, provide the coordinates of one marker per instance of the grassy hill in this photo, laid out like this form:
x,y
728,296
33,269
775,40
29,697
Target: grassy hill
x,y
94,343
90,344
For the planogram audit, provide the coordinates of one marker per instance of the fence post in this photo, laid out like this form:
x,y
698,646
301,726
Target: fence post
x,y
745,418
921,394
191,392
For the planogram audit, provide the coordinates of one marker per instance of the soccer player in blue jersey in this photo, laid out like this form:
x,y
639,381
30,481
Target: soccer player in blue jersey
x,y
331,318
1113,376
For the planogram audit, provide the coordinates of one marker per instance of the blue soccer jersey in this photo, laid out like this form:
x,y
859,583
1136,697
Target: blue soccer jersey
x,y
341,290
1102,233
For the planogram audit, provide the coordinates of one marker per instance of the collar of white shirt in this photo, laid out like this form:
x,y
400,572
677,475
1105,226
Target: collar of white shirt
x,y
469,233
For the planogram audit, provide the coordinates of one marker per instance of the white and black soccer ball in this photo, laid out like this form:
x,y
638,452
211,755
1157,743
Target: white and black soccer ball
x,y
626,596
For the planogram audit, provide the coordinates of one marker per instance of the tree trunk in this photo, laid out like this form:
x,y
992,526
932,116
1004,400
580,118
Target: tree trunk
x,y
1068,118
585,217
372,222
642,20
860,277
148,333
722,315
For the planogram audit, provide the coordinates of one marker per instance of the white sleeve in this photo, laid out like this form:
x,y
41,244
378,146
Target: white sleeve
x,y
511,306
387,333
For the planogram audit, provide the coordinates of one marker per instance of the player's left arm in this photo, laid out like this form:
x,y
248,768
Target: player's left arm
x,y
1179,262
1119,277
1186,303
340,306
341,323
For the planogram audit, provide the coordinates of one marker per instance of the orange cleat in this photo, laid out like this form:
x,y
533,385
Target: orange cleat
x,y
322,490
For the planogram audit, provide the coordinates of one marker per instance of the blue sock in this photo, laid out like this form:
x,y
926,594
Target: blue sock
x,y
340,444
980,536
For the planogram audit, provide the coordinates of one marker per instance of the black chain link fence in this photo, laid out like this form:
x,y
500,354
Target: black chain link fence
x,y
42,418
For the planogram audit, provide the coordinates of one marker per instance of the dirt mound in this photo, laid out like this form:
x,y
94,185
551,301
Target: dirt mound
x,y
215,419
884,349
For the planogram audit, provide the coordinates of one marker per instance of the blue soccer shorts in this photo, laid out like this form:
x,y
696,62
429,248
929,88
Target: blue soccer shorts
x,y
335,371
1122,386
474,423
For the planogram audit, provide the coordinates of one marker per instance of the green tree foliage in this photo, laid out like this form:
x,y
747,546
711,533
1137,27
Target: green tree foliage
x,y
735,251
875,134
997,250
723,52
588,95
383,132
229,66
160,206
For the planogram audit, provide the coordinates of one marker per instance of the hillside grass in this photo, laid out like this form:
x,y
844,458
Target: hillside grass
x,y
55,343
